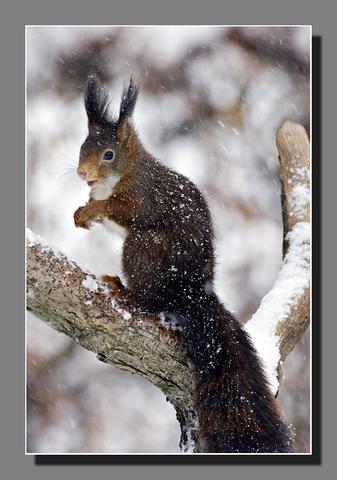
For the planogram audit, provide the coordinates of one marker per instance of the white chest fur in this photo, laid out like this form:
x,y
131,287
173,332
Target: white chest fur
x,y
103,191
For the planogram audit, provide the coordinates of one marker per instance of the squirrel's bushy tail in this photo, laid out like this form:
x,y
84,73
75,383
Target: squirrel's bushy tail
x,y
236,410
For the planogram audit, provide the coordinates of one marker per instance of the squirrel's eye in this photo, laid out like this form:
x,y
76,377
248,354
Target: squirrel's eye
x,y
108,155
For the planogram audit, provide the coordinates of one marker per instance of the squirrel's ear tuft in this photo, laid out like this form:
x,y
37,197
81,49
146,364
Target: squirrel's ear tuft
x,y
128,101
96,102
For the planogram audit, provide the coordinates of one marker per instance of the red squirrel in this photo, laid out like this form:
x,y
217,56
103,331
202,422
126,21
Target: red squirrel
x,y
168,263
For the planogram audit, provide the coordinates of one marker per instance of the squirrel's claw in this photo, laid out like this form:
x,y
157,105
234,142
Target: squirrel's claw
x,y
84,225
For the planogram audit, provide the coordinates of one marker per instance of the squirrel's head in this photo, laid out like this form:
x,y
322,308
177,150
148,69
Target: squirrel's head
x,y
110,145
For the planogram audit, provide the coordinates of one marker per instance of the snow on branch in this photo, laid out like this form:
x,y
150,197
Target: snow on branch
x,y
284,313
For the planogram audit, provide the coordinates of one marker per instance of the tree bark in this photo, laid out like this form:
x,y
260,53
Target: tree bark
x,y
76,303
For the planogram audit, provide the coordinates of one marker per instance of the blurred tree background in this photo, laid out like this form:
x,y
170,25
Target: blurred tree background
x,y
211,99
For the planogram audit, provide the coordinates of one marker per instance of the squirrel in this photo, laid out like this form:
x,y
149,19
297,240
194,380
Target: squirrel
x,y
168,264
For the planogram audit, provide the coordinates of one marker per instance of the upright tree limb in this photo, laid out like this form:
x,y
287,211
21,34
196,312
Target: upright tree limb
x,y
294,150
284,313
76,303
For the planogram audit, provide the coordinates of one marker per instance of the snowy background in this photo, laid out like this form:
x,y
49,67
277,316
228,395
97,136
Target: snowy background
x,y
210,102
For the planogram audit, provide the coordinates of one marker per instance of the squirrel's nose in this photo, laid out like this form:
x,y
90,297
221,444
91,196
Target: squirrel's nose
x,y
81,173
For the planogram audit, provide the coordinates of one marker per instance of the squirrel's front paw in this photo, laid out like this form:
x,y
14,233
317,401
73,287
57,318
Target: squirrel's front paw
x,y
81,218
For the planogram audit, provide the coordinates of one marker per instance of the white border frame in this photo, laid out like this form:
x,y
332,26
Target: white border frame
x,y
310,326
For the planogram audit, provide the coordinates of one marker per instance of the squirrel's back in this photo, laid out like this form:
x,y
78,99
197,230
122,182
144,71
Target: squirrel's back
x,y
169,248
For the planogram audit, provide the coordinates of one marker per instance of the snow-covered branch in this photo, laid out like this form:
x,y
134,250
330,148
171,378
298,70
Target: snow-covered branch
x,y
284,313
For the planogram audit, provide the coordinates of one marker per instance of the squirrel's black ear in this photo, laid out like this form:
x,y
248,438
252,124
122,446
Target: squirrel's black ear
x,y
96,103
128,100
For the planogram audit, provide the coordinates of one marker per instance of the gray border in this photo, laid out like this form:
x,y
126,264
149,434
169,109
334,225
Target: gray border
x,y
14,465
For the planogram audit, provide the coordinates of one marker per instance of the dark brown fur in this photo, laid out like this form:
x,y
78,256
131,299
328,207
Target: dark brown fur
x,y
168,262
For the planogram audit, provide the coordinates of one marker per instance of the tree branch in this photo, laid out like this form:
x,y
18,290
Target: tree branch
x,y
284,313
77,304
